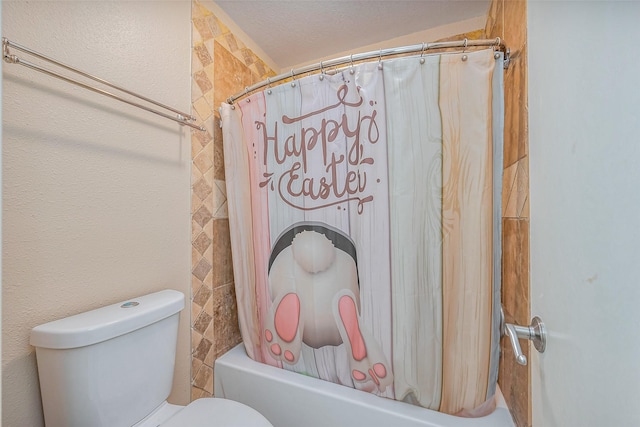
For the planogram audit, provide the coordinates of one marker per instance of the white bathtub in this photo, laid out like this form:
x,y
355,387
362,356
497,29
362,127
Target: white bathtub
x,y
289,399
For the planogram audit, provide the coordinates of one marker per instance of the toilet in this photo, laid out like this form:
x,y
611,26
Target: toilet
x,y
113,367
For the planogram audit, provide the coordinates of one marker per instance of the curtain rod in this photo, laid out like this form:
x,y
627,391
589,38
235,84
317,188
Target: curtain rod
x,y
422,48
182,118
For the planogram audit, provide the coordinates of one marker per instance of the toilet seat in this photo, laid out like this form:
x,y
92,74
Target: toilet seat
x,y
217,412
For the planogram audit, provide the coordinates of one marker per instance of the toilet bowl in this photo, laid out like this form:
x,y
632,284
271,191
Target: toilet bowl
x,y
113,367
210,412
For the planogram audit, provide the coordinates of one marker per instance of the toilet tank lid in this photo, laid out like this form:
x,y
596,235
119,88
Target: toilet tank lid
x,y
107,322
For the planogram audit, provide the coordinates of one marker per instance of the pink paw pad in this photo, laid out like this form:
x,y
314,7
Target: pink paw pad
x,y
268,335
287,317
275,349
288,355
358,376
380,370
349,317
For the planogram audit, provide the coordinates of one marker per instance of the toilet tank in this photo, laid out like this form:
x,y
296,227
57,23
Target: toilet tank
x,y
108,367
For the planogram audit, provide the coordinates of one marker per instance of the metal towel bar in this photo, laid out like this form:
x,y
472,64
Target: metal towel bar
x,y
182,118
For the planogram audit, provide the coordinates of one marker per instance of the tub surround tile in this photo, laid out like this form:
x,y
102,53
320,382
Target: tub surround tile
x,y
516,189
202,242
203,377
202,216
515,270
508,185
208,229
525,209
199,140
202,322
211,356
208,124
203,347
196,284
208,204
208,309
195,342
196,175
195,259
202,203
204,83
516,114
208,177
202,109
215,26
195,364
508,20
203,54
221,66
522,187
471,35
202,296
203,160
227,332
197,393
218,151
201,188
202,269
222,263
514,378
203,28
235,78
220,200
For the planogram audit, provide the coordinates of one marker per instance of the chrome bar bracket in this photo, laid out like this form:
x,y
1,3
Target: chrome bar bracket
x,y
507,58
536,332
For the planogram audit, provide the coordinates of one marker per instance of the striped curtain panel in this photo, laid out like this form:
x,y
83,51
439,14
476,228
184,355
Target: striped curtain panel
x,y
364,209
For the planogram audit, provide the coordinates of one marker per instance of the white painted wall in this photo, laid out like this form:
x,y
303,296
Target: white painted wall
x,y
585,211
96,194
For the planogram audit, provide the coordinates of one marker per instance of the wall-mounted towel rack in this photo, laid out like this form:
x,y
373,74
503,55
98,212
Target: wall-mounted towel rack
x,y
182,118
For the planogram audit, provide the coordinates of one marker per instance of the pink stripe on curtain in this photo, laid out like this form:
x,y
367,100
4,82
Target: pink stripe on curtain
x,y
253,112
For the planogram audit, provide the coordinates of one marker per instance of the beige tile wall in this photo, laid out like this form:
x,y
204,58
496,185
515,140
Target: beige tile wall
x,y
508,20
221,66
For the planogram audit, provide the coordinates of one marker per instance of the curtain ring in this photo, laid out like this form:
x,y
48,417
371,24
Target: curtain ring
x,y
497,45
352,71
422,54
268,85
321,70
293,83
464,48
380,60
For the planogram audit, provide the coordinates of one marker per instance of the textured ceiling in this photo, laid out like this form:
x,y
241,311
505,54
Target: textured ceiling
x,y
297,31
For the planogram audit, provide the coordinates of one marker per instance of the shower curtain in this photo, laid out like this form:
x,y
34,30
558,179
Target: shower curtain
x,y
364,209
